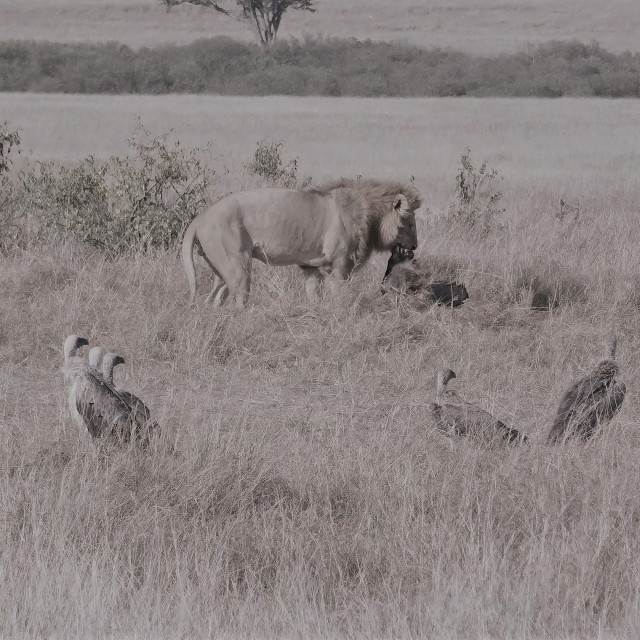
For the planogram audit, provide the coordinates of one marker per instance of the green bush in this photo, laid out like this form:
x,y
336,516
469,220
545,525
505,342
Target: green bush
x,y
268,164
476,193
145,199
9,140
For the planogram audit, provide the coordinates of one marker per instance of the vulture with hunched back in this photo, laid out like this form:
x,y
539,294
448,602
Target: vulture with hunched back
x,y
461,418
139,408
590,402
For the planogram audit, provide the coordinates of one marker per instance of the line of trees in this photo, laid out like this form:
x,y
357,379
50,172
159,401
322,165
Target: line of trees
x,y
315,66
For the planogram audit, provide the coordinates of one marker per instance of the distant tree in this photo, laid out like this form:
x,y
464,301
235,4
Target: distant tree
x,y
266,14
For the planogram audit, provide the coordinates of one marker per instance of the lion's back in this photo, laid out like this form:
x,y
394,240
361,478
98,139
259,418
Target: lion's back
x,y
284,226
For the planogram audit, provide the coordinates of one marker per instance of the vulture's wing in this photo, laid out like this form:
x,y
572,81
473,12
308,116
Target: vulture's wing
x,y
103,410
578,405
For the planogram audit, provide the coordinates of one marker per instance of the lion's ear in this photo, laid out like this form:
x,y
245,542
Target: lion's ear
x,y
401,204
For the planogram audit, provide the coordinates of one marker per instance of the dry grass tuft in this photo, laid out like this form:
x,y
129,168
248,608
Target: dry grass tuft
x,y
546,284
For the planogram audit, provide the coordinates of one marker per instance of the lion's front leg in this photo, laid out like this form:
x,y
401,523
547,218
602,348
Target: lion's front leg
x,y
342,268
313,277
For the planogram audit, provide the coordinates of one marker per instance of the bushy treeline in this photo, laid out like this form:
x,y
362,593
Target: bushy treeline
x,y
317,66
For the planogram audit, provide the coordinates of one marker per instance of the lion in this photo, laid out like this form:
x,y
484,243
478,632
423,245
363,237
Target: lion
x,y
331,229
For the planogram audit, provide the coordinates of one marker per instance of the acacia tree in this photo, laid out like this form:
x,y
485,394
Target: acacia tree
x,y
265,14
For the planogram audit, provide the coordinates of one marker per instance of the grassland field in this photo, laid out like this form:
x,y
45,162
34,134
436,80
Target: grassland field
x,y
476,26
299,488
541,146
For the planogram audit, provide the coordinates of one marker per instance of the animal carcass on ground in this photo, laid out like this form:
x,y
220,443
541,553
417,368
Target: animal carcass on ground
x,y
405,276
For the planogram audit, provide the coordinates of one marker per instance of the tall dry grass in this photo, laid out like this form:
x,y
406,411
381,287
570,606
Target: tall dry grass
x,y
308,493
299,487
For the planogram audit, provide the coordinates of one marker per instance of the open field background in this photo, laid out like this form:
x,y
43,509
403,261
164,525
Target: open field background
x,y
308,494
593,143
471,25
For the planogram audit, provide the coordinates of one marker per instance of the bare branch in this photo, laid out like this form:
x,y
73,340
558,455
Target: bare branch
x,y
202,3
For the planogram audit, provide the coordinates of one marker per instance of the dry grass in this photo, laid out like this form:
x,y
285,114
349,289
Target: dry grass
x,y
471,25
308,493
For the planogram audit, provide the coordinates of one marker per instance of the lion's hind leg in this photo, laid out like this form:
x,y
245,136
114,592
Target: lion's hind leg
x,y
241,282
230,261
222,269
219,290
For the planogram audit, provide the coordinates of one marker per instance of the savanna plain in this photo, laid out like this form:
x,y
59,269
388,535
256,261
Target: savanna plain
x,y
299,487
479,26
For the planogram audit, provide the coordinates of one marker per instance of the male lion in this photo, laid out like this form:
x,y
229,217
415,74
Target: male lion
x,y
332,228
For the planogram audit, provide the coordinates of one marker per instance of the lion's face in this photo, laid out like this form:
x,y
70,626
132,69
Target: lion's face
x,y
405,218
407,237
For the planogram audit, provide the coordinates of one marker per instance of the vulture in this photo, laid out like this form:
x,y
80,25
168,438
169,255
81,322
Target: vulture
x,y
94,403
72,361
109,362
139,408
463,418
404,275
96,354
71,346
591,401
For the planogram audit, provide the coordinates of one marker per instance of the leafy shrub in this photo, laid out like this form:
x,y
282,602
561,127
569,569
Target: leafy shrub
x,y
138,201
8,140
267,163
477,196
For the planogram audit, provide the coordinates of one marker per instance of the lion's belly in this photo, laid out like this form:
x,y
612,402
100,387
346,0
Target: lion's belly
x,y
292,244
279,255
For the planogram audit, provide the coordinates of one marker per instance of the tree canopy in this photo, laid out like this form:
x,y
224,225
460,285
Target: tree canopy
x,y
266,15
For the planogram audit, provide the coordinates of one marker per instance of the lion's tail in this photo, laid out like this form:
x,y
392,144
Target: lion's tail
x,y
187,259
